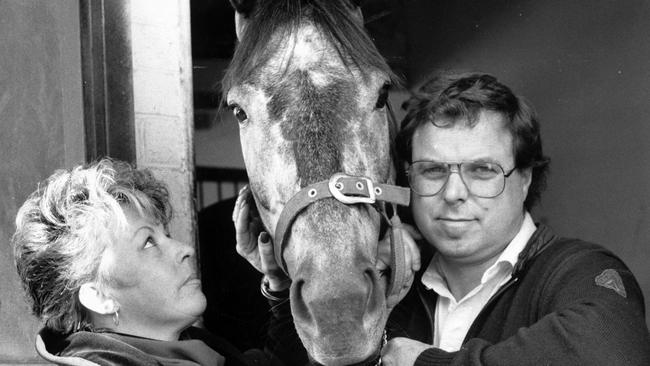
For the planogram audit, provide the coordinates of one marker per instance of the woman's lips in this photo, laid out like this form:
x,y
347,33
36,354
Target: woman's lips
x,y
192,280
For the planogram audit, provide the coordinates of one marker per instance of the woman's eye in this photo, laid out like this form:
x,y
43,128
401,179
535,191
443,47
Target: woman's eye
x,y
239,113
149,243
382,99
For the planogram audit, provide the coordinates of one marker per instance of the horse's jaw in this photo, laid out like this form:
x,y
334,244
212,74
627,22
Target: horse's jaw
x,y
338,298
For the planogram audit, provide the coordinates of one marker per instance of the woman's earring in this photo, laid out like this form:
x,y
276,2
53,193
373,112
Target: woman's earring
x,y
116,318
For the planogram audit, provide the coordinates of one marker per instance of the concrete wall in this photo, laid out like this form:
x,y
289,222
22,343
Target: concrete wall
x,y
42,128
41,115
162,82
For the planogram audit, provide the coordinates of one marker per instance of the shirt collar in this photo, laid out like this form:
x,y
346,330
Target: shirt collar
x,y
511,253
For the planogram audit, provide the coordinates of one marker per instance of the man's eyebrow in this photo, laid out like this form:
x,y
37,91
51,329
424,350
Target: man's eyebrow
x,y
486,159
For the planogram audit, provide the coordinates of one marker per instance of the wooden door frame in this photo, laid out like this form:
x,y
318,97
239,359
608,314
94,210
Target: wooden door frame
x,y
107,76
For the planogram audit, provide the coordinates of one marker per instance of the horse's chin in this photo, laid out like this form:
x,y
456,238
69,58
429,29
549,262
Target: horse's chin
x,y
340,349
348,361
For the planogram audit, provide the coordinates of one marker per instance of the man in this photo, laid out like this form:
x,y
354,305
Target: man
x,y
500,289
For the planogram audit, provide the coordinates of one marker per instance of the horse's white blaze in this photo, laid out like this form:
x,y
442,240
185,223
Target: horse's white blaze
x,y
307,48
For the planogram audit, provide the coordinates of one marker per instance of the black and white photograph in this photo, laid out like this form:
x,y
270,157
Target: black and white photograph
x,y
324,182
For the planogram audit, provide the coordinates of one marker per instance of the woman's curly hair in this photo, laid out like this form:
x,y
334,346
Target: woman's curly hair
x,y
64,227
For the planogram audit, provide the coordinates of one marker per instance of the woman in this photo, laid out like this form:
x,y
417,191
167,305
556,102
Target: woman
x,y
94,253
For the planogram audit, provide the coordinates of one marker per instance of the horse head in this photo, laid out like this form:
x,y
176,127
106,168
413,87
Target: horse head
x,y
309,90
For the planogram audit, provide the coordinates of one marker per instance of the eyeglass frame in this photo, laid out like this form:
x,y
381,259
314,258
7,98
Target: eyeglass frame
x,y
458,171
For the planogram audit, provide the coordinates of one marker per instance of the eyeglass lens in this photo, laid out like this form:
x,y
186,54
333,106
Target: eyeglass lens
x,y
482,179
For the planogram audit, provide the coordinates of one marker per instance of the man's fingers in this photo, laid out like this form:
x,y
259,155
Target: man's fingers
x,y
412,251
413,231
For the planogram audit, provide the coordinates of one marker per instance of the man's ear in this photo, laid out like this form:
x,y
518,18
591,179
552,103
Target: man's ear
x,y
527,178
94,300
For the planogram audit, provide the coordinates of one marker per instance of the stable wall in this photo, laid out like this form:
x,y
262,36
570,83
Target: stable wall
x,y
41,122
162,93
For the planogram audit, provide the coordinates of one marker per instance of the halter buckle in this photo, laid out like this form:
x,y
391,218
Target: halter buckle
x,y
363,190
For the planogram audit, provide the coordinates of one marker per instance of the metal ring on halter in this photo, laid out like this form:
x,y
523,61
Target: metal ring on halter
x,y
272,295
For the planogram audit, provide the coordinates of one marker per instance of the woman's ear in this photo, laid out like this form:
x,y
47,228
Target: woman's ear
x,y
94,300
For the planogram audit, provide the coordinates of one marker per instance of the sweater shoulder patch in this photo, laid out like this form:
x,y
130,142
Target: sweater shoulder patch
x,y
610,279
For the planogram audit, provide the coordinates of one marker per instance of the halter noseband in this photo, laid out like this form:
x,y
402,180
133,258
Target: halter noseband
x,y
348,190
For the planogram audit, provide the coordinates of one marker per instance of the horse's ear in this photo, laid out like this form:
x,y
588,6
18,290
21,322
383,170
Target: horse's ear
x,y
243,7
357,10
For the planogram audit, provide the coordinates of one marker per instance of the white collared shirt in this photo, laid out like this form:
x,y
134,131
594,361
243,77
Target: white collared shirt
x,y
453,318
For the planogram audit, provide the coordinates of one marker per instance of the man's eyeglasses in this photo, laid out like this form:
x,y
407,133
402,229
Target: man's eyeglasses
x,y
482,179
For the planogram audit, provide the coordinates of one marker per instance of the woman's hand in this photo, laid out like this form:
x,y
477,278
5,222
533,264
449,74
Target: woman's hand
x,y
411,255
255,244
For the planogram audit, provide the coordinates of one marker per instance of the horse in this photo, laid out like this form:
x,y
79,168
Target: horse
x,y
309,90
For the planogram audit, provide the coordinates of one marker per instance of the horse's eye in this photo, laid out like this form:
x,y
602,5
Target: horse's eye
x,y
382,99
239,113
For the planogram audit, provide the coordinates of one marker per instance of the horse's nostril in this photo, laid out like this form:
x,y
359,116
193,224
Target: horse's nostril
x,y
372,279
298,305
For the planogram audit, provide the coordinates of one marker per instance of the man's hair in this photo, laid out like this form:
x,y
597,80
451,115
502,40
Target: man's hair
x,y
447,99
64,227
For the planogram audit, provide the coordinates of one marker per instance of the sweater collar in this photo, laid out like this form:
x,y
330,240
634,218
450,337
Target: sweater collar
x,y
541,239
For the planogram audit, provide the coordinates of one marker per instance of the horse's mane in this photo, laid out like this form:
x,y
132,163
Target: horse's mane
x,y
350,39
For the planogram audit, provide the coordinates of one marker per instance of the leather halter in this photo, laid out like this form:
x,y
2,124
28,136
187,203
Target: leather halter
x,y
349,190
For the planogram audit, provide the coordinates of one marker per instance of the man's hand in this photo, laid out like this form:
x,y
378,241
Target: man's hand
x,y
402,351
255,244
411,254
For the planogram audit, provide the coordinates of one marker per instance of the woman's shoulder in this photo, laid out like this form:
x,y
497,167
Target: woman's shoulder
x,y
89,349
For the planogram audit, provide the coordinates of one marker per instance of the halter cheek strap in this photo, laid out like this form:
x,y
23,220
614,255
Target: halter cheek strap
x,y
349,190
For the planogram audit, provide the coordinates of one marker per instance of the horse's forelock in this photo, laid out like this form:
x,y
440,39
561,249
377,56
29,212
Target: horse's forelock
x,y
260,39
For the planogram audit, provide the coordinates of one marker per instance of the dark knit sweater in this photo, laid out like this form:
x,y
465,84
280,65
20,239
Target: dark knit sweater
x,y
196,347
569,302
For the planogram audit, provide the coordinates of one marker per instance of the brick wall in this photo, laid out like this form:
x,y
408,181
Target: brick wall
x,y
162,83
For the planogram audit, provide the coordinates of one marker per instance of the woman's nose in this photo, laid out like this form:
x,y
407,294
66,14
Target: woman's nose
x,y
184,251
